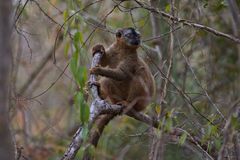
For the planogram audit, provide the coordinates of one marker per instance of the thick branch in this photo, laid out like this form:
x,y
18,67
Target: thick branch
x,y
74,146
98,107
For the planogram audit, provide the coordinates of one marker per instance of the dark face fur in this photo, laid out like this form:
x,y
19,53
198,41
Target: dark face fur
x,y
130,36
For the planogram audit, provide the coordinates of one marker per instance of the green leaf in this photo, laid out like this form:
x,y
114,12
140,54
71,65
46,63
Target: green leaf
x,y
80,153
66,48
84,133
78,38
74,64
218,143
167,8
91,150
212,130
84,113
84,108
82,77
182,138
235,122
169,124
65,15
79,2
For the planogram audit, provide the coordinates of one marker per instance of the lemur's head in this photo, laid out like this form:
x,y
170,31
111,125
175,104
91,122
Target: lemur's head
x,y
129,36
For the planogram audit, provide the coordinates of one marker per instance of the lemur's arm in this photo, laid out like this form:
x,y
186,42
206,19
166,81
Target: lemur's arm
x,y
116,74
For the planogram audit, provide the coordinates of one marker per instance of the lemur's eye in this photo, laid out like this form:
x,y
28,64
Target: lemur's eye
x,y
129,35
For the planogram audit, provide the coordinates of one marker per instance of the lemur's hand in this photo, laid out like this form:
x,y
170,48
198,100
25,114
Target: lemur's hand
x,y
98,48
95,70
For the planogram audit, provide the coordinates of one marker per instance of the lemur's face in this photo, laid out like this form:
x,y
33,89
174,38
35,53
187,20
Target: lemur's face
x,y
130,36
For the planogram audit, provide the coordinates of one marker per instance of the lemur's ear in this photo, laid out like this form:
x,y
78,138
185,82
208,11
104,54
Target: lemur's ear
x,y
118,33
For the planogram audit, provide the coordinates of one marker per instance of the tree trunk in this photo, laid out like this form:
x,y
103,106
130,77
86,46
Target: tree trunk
x,y
6,145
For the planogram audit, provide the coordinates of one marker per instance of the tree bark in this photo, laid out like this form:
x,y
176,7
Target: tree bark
x,y
235,12
6,145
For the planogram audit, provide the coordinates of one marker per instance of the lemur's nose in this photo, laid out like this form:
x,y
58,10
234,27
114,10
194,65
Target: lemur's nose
x,y
136,42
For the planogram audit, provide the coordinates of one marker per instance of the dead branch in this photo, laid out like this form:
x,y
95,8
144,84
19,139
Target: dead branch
x,y
74,146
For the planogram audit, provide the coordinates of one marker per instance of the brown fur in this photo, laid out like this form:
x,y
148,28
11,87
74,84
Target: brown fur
x,y
125,77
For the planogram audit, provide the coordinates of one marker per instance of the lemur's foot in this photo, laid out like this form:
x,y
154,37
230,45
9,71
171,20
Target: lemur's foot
x,y
96,83
122,103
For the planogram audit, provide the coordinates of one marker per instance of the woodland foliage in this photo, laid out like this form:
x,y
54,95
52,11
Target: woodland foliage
x,y
192,48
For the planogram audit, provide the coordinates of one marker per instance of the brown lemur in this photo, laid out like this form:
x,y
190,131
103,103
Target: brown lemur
x,y
125,77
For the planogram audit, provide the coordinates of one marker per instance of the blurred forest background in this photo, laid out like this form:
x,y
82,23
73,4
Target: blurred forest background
x,y
192,48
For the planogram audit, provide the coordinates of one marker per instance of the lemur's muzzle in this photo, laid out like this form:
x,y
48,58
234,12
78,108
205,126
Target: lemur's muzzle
x,y
135,42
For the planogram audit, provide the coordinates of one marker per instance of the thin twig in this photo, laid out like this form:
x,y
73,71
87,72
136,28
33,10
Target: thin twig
x,y
198,82
36,71
162,35
62,26
185,96
25,38
171,47
189,23
20,13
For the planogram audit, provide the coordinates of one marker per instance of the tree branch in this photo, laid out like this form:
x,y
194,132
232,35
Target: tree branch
x,y
74,146
36,72
100,107
189,23
156,27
